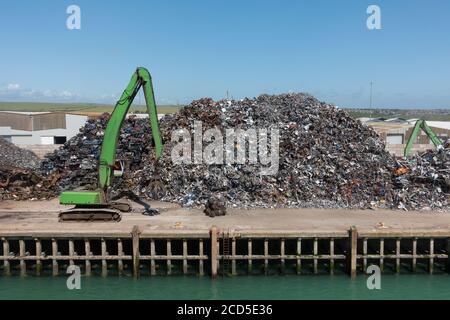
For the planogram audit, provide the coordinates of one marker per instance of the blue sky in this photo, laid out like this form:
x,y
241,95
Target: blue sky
x,y
205,48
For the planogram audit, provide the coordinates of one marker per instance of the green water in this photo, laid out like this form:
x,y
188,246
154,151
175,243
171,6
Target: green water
x,y
258,287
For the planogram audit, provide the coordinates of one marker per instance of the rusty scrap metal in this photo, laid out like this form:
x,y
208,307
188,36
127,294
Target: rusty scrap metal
x,y
23,183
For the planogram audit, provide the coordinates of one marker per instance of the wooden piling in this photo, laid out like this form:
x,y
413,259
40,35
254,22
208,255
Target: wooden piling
x,y
185,254
200,261
381,254
266,255
214,251
414,253
315,253
120,254
104,254
250,260
332,256
431,263
55,256
397,254
87,252
353,251
448,255
23,266
169,254
299,253
152,259
71,252
6,264
135,240
282,256
365,254
38,256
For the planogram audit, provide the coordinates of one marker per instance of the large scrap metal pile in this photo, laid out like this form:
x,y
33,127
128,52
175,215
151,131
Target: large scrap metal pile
x,y
326,159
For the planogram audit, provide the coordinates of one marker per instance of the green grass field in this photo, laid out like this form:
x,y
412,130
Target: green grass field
x,y
431,114
75,107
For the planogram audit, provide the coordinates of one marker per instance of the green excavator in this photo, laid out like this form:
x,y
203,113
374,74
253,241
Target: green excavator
x,y
421,125
98,205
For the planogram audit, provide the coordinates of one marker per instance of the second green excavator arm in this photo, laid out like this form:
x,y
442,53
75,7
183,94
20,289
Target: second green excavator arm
x,y
421,125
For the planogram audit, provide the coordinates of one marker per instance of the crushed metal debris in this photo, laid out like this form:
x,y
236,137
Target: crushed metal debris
x,y
326,159
215,207
26,184
12,155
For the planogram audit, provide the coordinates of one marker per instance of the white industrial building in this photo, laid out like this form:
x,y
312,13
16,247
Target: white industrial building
x,y
396,132
39,128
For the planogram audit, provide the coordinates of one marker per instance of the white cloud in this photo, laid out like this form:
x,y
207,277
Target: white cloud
x,y
163,100
67,94
15,92
108,98
13,87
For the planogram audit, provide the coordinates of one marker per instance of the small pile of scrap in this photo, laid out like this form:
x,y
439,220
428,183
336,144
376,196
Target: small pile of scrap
x,y
423,181
12,155
25,184
19,177
215,207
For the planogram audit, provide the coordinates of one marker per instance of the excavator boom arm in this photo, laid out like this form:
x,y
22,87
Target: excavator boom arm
x,y
433,137
421,125
96,205
141,78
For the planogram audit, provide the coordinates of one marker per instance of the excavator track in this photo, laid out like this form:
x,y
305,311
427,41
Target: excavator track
x,y
90,214
106,212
